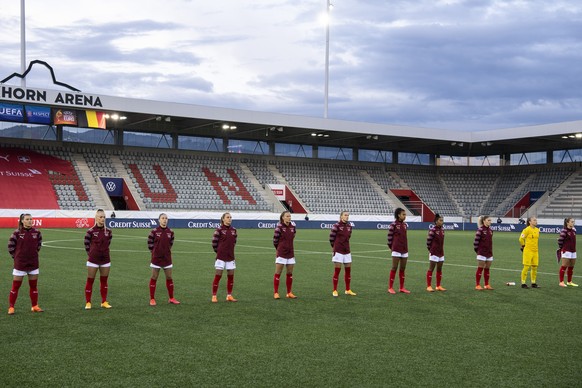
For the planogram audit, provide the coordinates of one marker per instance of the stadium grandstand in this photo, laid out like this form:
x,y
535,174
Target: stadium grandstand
x,y
71,151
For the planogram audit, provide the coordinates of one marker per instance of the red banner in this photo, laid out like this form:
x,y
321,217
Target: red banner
x,y
83,223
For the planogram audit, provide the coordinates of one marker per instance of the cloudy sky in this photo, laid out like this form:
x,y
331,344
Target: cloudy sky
x,y
467,65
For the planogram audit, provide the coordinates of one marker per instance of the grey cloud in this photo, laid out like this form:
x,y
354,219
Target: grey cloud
x,y
94,43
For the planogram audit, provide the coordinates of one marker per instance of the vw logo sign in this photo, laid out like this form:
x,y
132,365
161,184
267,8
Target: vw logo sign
x,y
110,186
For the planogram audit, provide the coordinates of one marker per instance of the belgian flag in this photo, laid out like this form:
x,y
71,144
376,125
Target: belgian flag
x,y
91,119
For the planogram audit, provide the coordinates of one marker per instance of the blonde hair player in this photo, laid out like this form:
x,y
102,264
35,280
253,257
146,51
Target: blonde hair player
x,y
483,246
97,241
529,240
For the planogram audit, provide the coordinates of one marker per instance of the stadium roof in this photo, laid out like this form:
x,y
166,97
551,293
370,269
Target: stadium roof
x,y
196,120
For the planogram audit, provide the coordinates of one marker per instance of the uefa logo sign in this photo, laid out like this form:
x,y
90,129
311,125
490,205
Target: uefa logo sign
x,y
110,186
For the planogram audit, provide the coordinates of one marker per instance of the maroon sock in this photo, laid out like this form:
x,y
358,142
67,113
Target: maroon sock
x,y
103,288
428,278
392,277
401,277
89,289
170,287
478,275
153,283
289,282
276,281
562,272
439,276
33,291
14,292
486,276
348,277
229,284
335,279
570,273
215,284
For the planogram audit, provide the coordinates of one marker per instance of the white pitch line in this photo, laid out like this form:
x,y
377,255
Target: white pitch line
x,y
360,255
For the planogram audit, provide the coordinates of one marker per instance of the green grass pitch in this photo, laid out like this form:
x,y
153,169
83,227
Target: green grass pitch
x,y
461,337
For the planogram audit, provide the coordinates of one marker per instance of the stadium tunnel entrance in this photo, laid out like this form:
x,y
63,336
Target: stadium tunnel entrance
x,y
119,194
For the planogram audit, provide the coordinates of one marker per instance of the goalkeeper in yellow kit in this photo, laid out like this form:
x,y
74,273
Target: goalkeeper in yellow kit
x,y
529,240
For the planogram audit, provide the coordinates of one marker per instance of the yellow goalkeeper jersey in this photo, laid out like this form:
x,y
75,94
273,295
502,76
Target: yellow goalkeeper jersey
x,y
530,237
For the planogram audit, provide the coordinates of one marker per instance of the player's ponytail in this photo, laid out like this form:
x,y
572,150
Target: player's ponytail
x,y
397,212
21,219
283,214
566,220
223,217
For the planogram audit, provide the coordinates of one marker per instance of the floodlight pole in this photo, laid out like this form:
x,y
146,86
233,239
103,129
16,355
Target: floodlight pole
x,y
326,90
22,44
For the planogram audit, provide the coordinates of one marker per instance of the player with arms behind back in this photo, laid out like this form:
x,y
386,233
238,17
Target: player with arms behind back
x,y
283,241
483,246
97,241
223,242
160,242
398,244
567,244
339,238
435,243
24,245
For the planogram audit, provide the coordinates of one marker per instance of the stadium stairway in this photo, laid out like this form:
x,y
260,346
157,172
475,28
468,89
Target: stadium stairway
x,y
511,200
265,192
101,198
399,181
487,197
275,171
565,200
281,180
388,196
122,173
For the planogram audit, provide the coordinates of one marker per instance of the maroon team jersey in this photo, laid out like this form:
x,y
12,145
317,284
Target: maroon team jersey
x,y
23,246
567,240
97,241
223,242
283,240
339,237
397,240
435,242
160,242
483,243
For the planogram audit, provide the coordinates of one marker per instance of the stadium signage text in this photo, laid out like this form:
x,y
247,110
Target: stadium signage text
x,y
35,95
556,229
203,225
267,225
146,223
17,174
130,224
11,111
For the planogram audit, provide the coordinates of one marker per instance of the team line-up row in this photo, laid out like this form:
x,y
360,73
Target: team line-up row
x,y
25,243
